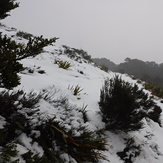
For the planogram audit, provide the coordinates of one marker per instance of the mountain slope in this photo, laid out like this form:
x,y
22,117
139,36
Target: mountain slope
x,y
43,74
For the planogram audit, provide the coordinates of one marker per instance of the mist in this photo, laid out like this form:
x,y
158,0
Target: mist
x,y
115,29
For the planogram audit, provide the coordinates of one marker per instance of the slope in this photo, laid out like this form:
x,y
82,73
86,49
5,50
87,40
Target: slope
x,y
43,74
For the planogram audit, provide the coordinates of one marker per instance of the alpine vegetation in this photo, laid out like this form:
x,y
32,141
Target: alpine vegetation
x,y
124,105
49,113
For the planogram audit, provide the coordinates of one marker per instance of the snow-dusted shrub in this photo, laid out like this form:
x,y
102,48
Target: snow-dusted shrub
x,y
63,64
24,35
76,89
124,105
154,89
12,52
6,6
8,152
63,135
130,152
104,68
77,54
16,108
55,140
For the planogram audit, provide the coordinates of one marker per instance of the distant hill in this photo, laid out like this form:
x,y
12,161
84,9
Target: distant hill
x,y
105,62
147,71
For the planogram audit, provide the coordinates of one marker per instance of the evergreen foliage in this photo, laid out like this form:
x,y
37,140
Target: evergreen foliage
x,y
20,109
9,66
83,148
147,71
11,52
24,35
6,6
130,152
154,89
123,105
34,47
77,54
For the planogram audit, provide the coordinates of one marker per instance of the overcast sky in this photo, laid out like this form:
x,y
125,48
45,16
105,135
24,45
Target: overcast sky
x,y
114,29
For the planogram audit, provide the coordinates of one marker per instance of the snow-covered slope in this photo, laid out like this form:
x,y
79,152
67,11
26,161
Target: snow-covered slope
x,y
42,73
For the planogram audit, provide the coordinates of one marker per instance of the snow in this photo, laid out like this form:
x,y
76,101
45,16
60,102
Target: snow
x,y
27,142
58,82
3,122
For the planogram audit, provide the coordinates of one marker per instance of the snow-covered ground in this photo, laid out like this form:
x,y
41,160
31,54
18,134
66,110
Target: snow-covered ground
x,y
90,80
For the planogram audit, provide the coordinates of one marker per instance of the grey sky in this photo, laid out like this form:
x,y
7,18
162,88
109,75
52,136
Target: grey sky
x,y
114,29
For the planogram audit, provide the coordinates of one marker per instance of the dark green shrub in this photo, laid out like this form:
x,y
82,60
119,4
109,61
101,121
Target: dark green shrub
x,y
30,157
7,152
63,64
11,52
9,66
19,110
83,148
24,35
104,68
76,54
16,108
124,105
6,6
154,89
130,152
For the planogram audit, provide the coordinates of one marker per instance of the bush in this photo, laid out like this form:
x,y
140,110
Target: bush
x,y
63,64
21,114
124,105
6,6
76,90
76,54
24,35
83,148
104,68
130,152
12,52
154,89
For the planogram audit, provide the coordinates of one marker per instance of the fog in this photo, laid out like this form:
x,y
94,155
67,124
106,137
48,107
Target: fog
x,y
114,29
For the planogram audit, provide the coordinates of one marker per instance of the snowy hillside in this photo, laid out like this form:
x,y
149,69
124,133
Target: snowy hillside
x,y
43,74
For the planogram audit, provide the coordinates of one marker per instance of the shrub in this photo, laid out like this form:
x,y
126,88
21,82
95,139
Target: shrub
x,y
84,112
130,152
104,68
76,90
9,151
76,54
24,35
63,64
124,105
6,6
83,148
22,116
12,52
154,89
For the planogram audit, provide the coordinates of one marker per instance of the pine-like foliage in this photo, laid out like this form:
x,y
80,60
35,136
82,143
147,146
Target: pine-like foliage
x,y
6,6
9,66
124,105
10,54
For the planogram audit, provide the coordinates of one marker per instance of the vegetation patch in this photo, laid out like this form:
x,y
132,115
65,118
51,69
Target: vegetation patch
x,y
24,35
63,64
76,89
23,117
124,105
130,152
